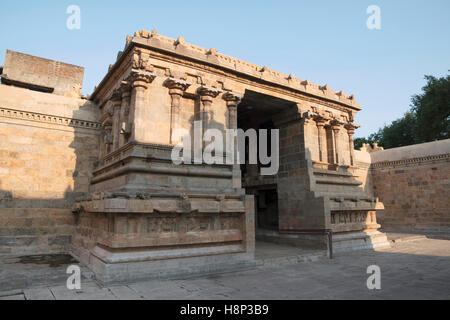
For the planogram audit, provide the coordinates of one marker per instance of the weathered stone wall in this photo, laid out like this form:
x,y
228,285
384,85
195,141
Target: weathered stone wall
x,y
33,72
47,147
413,182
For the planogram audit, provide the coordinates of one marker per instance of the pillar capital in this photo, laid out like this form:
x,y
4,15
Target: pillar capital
x,y
125,89
320,120
351,127
176,86
307,116
232,98
208,93
116,98
140,79
336,125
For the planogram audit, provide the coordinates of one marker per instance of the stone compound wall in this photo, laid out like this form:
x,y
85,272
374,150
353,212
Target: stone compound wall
x,y
413,182
47,147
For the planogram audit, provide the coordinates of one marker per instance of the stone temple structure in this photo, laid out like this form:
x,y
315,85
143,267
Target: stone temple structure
x,y
94,176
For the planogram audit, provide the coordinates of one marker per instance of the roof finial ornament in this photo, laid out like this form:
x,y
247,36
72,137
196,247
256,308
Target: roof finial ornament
x,y
212,52
180,41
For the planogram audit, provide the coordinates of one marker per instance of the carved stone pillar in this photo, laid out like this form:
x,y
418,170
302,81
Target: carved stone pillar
x,y
320,122
336,127
207,94
232,99
125,123
108,137
351,147
139,81
116,100
176,89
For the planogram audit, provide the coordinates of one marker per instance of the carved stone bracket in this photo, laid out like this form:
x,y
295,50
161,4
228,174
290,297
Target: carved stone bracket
x,y
207,93
232,98
141,61
176,86
138,78
336,125
351,127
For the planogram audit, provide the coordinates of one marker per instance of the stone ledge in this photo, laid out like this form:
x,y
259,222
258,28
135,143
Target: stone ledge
x,y
47,118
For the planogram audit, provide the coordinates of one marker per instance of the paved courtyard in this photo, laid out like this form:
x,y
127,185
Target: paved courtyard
x,y
418,269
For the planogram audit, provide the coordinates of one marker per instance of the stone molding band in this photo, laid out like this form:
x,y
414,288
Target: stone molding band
x,y
48,119
411,161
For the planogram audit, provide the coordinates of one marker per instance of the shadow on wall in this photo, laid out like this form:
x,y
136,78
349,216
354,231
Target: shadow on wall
x,y
49,167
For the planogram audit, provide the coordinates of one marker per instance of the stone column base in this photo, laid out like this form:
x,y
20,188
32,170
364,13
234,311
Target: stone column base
x,y
110,268
350,241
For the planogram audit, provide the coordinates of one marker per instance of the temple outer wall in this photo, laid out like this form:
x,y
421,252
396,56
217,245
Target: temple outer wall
x,y
413,182
47,147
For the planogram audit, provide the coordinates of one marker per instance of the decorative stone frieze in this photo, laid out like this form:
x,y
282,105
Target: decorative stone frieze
x,y
48,119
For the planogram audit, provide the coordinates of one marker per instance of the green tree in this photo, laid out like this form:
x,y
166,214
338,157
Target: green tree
x,y
427,120
398,134
432,110
359,142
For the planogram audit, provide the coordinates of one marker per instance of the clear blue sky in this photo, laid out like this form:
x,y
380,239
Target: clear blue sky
x,y
323,41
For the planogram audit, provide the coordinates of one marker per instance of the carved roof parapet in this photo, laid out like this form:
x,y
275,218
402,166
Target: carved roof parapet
x,y
181,47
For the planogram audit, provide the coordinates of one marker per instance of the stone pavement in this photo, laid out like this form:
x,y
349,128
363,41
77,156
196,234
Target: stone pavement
x,y
418,269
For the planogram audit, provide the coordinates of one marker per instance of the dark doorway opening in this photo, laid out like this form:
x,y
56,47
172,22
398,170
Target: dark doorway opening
x,y
261,111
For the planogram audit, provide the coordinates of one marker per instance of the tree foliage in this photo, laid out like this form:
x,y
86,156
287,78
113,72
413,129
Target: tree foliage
x,y
427,120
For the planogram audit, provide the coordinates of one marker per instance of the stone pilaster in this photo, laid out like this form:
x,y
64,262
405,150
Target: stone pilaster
x,y
116,101
125,121
232,99
108,137
335,126
351,147
320,122
176,90
207,95
139,81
